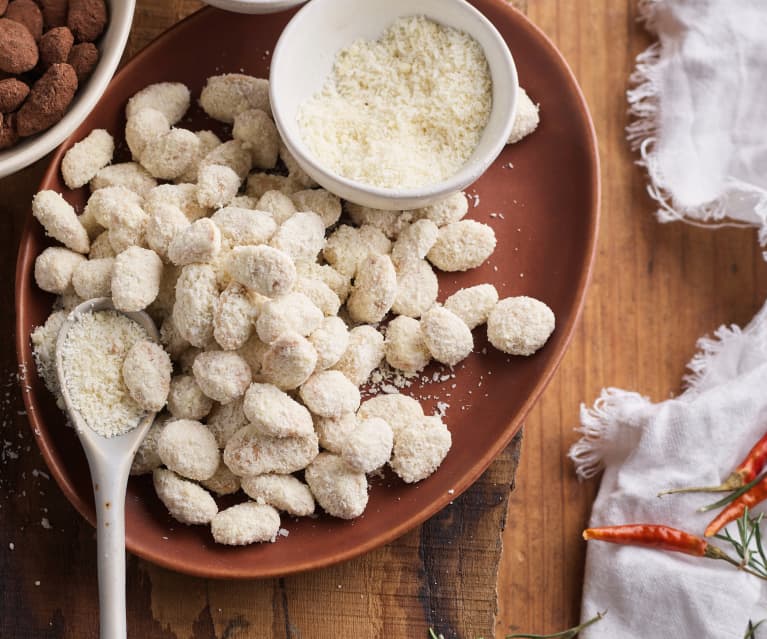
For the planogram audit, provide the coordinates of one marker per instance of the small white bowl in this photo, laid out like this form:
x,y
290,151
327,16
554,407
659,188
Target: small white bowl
x,y
254,6
303,60
111,46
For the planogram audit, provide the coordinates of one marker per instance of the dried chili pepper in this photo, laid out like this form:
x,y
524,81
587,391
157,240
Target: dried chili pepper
x,y
736,509
654,536
746,472
664,538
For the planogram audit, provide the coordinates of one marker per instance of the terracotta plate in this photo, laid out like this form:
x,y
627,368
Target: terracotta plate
x,y
541,197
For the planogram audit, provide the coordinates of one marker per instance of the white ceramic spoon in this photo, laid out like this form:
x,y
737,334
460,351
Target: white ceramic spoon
x,y
109,459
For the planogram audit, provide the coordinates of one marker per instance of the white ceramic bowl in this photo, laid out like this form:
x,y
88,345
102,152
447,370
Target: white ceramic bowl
x,y
303,59
111,45
254,6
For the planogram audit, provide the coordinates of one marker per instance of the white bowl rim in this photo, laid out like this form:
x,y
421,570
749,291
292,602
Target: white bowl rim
x,y
29,151
254,7
466,175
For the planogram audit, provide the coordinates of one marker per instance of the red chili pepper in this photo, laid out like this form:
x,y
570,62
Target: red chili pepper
x,y
654,536
747,471
663,538
736,509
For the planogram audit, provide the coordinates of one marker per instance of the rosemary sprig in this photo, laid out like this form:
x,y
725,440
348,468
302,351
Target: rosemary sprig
x,y
747,544
733,495
565,634
751,630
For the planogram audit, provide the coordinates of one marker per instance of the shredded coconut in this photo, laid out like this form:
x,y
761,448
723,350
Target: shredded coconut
x,y
403,111
93,355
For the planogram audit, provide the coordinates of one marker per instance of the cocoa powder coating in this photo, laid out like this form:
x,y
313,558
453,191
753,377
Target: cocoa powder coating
x,y
47,44
49,98
55,46
27,13
83,59
87,19
54,13
8,133
18,51
12,93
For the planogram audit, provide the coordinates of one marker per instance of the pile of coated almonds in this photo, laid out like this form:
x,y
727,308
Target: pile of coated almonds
x,y
270,293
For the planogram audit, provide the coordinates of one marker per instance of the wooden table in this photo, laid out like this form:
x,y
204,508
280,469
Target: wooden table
x,y
655,289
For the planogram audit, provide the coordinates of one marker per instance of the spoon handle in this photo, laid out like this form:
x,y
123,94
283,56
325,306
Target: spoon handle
x,y
109,493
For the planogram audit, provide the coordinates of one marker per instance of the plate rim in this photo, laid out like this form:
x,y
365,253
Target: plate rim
x,y
473,473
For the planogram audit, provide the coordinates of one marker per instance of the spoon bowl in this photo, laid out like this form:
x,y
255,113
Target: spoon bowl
x,y
109,460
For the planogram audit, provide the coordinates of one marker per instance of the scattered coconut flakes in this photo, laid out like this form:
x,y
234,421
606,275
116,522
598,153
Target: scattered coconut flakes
x,y
474,198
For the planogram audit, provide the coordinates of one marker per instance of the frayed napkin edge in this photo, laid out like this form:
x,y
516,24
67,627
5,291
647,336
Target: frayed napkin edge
x,y
641,133
616,408
708,348
597,424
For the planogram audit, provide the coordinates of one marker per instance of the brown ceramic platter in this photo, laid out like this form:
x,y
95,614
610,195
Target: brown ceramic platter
x,y
541,196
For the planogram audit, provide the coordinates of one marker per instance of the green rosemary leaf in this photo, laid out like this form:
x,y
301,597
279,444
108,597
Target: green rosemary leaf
x,y
758,537
565,634
432,634
744,525
751,630
733,496
751,557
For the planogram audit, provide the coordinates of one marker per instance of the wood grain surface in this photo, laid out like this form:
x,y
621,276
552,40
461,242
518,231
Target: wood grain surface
x,y
656,288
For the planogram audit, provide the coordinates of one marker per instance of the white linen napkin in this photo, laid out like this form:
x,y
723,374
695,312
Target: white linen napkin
x,y
696,439
699,100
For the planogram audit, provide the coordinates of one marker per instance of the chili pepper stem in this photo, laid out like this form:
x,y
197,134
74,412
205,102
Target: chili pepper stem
x,y
733,482
714,552
733,495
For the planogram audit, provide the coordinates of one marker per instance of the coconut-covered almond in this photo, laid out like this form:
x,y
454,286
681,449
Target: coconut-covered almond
x,y
249,452
146,372
186,501
245,523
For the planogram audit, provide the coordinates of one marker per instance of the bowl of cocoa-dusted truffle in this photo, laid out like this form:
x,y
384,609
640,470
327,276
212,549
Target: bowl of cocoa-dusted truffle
x,y
56,60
